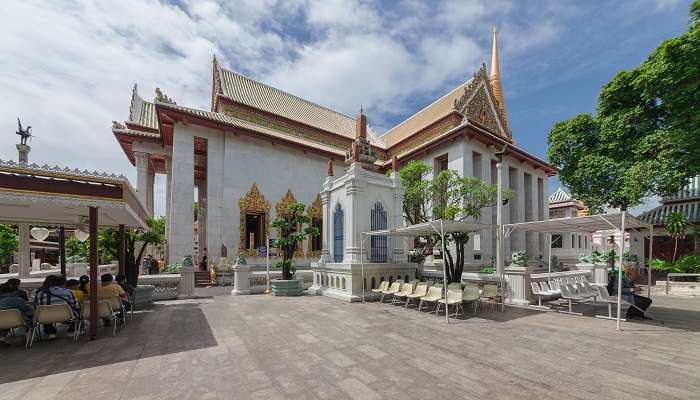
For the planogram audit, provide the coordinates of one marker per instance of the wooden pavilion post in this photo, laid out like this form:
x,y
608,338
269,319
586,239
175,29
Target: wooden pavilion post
x,y
93,273
121,250
62,249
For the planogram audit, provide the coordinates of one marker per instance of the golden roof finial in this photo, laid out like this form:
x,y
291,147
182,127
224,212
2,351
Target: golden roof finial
x,y
496,76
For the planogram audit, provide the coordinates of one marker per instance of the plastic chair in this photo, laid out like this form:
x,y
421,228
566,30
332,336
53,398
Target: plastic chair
x,y
394,288
434,294
104,311
118,308
452,298
405,291
50,314
490,293
471,295
420,291
12,319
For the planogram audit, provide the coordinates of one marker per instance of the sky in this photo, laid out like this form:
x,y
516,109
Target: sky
x,y
67,67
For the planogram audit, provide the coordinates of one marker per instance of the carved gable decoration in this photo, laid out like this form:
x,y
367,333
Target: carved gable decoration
x,y
479,105
252,203
282,208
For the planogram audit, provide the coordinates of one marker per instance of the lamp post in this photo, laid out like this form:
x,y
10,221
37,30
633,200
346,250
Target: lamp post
x,y
500,245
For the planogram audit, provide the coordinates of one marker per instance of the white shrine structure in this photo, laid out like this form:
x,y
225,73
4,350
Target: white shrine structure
x,y
259,148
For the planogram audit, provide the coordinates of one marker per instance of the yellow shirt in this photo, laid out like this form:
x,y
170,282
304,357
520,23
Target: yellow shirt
x,y
78,295
111,290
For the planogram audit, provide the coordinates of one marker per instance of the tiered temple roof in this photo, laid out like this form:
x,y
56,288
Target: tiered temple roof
x,y
686,200
247,106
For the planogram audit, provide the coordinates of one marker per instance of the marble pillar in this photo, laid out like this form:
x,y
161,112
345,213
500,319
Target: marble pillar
x,y
24,262
181,240
168,185
487,215
150,197
142,177
215,195
202,220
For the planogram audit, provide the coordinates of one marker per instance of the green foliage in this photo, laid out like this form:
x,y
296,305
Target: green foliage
x,y
519,258
643,140
76,248
586,258
446,196
195,211
487,269
9,242
292,231
676,224
172,268
689,264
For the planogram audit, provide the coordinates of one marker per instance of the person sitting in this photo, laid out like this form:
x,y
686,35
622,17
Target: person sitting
x,y
639,304
73,286
11,300
108,290
15,283
53,291
121,281
84,284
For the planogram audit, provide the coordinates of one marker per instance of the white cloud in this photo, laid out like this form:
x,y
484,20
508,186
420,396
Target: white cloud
x,y
68,68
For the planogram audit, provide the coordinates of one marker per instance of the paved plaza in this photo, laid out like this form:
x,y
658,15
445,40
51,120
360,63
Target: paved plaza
x,y
261,347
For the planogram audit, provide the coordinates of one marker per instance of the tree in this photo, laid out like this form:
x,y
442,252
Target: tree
x,y
676,224
450,197
292,232
643,140
9,243
195,210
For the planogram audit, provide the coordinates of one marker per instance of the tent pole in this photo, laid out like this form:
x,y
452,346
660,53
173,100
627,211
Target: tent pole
x,y
619,270
549,269
444,271
651,254
362,265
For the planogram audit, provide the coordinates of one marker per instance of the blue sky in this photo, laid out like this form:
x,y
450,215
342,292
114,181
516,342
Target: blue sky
x,y
68,68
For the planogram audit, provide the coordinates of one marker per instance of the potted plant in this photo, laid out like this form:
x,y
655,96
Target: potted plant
x,y
518,259
585,260
294,227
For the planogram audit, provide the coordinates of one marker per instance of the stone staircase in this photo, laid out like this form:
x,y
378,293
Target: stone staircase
x,y
202,279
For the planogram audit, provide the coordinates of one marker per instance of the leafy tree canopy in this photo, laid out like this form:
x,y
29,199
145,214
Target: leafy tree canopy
x,y
9,242
447,196
644,139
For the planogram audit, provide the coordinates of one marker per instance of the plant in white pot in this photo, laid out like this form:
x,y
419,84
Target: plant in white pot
x,y
585,260
294,227
518,259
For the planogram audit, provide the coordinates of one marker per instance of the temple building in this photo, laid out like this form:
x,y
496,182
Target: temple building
x,y
259,148
566,247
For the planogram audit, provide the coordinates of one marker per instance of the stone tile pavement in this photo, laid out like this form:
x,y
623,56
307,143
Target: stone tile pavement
x,y
262,347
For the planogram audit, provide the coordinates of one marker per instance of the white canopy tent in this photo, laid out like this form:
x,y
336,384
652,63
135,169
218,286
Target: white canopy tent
x,y
589,223
437,227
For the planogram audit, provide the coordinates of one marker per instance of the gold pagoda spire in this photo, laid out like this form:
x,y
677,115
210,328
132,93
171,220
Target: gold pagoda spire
x,y
496,76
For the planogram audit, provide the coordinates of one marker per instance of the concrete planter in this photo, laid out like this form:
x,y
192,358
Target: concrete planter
x,y
143,296
292,287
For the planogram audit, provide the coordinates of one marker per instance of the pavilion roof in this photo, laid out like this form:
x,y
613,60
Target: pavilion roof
x,y
61,196
142,112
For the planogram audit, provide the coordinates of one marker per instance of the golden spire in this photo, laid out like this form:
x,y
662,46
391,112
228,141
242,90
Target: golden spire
x,y
496,76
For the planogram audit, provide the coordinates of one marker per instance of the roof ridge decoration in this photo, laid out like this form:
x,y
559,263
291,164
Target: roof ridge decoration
x,y
471,91
162,98
216,83
61,170
136,104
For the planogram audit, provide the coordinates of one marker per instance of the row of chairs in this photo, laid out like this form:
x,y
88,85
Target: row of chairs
x,y
577,290
427,292
112,309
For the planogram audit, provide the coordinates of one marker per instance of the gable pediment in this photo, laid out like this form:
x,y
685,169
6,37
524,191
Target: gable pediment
x,y
478,104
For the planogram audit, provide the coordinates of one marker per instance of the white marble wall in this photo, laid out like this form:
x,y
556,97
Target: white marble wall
x,y
181,240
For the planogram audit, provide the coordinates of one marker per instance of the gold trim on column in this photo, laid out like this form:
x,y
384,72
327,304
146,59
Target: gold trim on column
x,y
253,203
315,211
282,210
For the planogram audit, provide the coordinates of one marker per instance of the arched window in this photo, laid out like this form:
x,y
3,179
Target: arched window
x,y
342,283
378,244
338,234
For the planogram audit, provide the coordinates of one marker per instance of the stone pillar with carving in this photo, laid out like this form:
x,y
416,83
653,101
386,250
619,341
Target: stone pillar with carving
x,y
23,150
518,289
325,200
399,245
185,289
241,279
142,177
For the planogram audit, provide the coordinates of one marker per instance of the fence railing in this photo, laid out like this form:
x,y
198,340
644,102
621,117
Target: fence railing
x,y
676,274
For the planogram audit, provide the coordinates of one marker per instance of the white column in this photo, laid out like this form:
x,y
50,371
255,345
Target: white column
x,y
518,237
399,244
500,214
353,227
24,262
487,236
467,170
168,186
202,219
142,177
150,179
215,197
181,195
505,214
